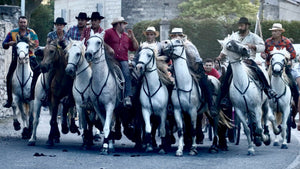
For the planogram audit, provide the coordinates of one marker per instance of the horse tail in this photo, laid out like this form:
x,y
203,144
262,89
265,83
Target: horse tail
x,y
224,120
278,116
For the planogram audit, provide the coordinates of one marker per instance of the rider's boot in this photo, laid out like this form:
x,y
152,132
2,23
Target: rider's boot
x,y
12,68
262,78
36,72
224,96
207,90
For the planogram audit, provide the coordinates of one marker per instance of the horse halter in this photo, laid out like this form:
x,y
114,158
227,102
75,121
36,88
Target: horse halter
x,y
172,49
79,58
97,60
278,63
152,59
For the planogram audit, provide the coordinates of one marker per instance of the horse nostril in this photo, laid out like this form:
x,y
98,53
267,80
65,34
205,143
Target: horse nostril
x,y
88,55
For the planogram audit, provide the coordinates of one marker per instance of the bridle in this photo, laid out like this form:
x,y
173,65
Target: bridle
x,y
98,59
278,63
150,61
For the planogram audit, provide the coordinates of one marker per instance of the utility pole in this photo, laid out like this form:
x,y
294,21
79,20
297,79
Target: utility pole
x,y
23,7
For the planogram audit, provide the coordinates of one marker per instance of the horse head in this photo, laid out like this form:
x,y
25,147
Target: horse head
x,y
52,53
22,52
279,60
75,53
95,45
147,56
173,48
233,49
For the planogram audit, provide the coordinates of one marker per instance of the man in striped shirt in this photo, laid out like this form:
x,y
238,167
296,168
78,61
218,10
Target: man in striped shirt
x,y
75,32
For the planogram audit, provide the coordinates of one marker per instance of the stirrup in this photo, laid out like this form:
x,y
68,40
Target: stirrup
x,y
271,93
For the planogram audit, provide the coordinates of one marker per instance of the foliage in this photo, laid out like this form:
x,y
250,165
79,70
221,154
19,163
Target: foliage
x,y
219,9
42,21
204,33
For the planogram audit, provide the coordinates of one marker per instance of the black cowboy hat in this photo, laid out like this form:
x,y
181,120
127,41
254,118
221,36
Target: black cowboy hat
x,y
82,15
96,15
60,20
244,20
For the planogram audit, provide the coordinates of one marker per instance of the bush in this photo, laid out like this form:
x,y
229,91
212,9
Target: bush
x,y
205,33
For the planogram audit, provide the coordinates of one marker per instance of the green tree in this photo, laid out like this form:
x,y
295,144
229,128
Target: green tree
x,y
42,21
219,9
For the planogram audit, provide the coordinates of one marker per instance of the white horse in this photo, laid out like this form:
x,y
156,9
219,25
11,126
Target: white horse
x,y
186,96
41,91
78,66
153,95
279,83
21,83
105,93
246,96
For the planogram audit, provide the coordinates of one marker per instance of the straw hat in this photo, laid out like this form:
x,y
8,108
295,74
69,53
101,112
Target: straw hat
x,y
277,26
151,29
118,20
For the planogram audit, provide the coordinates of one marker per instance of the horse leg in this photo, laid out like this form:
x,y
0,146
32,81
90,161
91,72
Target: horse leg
x,y
54,132
193,115
257,130
285,116
37,110
146,115
242,118
155,121
73,126
106,129
64,119
16,123
179,121
214,147
162,130
266,111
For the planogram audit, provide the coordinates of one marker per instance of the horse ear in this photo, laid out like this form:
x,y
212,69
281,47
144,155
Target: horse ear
x,y
102,34
92,32
221,42
82,41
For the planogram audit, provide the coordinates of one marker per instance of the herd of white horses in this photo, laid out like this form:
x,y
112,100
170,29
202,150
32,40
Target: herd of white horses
x,y
94,81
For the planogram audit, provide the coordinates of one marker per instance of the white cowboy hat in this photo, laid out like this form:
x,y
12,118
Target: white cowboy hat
x,y
151,29
277,26
118,20
178,31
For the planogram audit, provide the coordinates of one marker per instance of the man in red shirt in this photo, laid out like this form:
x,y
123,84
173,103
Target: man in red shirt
x,y
120,43
209,70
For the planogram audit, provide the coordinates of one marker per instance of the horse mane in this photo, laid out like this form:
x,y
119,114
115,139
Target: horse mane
x,y
284,75
162,66
26,40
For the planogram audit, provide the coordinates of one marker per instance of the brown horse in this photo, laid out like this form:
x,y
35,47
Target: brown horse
x,y
61,85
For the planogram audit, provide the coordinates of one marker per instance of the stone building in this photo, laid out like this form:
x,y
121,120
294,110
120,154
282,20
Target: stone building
x,y
281,10
8,20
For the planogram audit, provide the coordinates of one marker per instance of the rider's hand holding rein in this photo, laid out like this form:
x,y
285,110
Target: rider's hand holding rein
x,y
8,44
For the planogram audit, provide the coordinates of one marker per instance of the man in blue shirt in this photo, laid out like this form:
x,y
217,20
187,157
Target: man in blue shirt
x,y
75,32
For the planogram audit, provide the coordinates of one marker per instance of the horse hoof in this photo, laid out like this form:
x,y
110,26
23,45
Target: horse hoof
x,y
279,130
251,153
179,153
56,140
104,151
31,143
284,146
64,129
257,141
193,152
268,142
162,151
97,137
275,144
149,148
213,149
26,134
50,143
17,125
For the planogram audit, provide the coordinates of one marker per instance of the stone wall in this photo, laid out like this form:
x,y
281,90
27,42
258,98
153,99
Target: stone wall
x,y
8,21
136,11
287,10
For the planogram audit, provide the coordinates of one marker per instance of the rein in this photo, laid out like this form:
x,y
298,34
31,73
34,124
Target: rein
x,y
21,82
176,82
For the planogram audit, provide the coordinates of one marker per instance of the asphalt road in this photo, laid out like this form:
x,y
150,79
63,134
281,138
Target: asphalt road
x,y
15,154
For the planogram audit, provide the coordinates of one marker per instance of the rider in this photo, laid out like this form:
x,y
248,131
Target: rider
x,y
11,40
76,31
95,27
194,58
279,41
119,43
255,45
209,68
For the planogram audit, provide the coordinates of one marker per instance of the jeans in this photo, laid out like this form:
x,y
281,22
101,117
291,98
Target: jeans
x,y
126,74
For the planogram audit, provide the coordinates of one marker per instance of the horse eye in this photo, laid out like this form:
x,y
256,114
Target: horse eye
x,y
27,47
78,54
98,43
166,42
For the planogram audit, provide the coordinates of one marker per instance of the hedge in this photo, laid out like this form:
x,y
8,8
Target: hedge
x,y
204,33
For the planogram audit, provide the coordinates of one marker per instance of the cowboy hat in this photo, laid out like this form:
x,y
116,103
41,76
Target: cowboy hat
x,y
277,26
244,20
60,20
96,15
118,20
82,15
151,29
